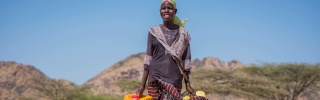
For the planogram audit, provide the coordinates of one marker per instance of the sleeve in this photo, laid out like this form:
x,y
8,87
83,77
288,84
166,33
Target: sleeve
x,y
186,57
149,54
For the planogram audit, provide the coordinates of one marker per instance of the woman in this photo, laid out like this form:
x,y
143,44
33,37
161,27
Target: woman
x,y
168,49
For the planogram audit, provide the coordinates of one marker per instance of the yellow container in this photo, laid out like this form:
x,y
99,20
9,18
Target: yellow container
x,y
129,97
198,93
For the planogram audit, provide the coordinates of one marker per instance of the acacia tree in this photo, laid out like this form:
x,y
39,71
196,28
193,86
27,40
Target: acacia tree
x,y
293,78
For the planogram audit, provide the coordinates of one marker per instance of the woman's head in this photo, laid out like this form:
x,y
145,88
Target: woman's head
x,y
168,10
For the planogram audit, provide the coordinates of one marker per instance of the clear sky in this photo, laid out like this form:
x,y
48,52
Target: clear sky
x,y
77,39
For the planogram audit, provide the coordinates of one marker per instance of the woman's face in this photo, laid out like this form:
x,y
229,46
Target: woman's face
x,y
167,11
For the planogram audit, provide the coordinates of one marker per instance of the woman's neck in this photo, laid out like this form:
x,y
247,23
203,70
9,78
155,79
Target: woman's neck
x,y
169,25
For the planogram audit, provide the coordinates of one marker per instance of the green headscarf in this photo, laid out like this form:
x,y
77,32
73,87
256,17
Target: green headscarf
x,y
176,19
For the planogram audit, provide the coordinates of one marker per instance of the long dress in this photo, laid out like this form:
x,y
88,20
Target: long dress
x,y
165,78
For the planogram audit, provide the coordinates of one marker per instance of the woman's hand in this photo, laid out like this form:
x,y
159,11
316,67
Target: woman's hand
x,y
190,90
140,90
188,86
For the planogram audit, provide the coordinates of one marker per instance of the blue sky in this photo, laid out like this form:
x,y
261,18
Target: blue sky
x,y
77,39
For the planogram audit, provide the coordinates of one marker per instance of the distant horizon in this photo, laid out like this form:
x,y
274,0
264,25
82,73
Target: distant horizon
x,y
64,39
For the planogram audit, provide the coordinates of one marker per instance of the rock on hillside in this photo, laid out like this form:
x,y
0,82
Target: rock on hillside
x,y
215,63
15,79
131,68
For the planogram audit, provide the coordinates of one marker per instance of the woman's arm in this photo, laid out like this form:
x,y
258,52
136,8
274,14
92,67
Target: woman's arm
x,y
146,62
143,82
187,67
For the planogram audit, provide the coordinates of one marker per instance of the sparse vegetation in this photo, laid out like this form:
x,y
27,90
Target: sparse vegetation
x,y
63,90
90,96
288,81
128,85
233,83
267,81
295,79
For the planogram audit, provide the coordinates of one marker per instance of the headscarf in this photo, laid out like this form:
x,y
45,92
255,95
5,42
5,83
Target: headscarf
x,y
176,19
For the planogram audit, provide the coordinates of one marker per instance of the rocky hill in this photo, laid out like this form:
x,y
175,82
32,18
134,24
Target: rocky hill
x,y
128,69
15,80
25,82
131,68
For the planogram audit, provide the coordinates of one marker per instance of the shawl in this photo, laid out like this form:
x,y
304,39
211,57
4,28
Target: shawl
x,y
177,48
